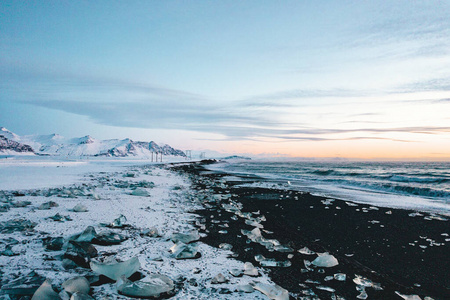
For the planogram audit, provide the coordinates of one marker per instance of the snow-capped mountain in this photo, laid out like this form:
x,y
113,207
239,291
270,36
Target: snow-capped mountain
x,y
9,147
57,145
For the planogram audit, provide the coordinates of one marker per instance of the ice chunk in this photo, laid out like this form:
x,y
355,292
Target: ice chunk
x,y
60,218
185,237
76,284
325,260
151,232
340,276
409,297
118,269
283,248
140,192
185,251
48,205
79,208
226,246
107,238
53,244
81,296
86,236
119,222
250,270
246,288
273,292
236,272
219,278
8,251
45,292
155,286
81,253
271,262
306,251
325,288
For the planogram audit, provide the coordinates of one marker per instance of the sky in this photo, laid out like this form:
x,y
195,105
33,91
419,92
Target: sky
x,y
349,79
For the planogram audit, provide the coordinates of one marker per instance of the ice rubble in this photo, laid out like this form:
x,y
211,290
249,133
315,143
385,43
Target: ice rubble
x,y
181,250
116,269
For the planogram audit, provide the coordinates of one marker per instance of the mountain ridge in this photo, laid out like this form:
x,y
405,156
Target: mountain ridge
x,y
57,145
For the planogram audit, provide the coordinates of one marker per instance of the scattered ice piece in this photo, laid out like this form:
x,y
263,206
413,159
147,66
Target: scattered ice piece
x,y
80,252
415,214
86,236
79,208
119,222
246,288
328,278
48,205
325,260
60,218
107,238
223,231
253,223
116,270
150,232
8,251
340,276
272,262
237,272
389,212
290,256
250,270
76,284
185,251
154,286
274,292
53,244
362,295
349,254
408,297
351,204
219,278
45,292
283,248
140,192
226,246
185,237
325,288
81,296
306,251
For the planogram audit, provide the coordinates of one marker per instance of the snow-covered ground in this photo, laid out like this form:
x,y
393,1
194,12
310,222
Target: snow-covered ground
x,y
105,188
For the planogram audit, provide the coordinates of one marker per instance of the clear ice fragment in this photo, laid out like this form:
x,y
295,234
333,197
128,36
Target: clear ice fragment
x,y
116,270
140,192
219,278
340,276
306,251
274,292
325,260
79,208
250,270
408,297
185,237
76,284
185,251
81,296
245,288
119,222
154,286
226,246
45,292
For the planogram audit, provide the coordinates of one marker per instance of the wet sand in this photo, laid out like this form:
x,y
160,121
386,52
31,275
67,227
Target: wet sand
x,y
402,252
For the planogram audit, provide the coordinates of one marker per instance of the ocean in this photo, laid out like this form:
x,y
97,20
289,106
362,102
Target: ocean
x,y
423,186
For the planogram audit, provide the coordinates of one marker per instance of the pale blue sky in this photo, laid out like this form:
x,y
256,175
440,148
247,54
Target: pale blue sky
x,y
244,76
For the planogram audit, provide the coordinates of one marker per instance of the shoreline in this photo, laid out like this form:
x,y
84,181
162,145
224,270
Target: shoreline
x,y
400,249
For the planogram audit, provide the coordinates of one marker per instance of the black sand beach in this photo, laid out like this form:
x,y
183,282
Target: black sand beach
x,y
401,251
